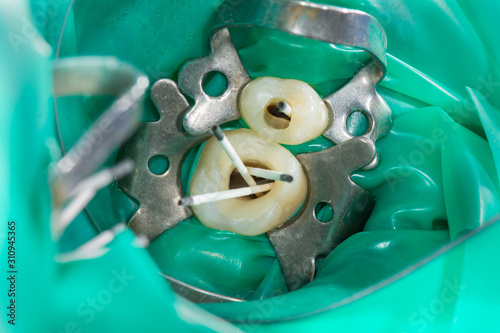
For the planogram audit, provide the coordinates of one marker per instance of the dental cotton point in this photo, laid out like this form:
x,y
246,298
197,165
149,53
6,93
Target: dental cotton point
x,y
284,111
284,108
233,155
224,195
262,158
240,192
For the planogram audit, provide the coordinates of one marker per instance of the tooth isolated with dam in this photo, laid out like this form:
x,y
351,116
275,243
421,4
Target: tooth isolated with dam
x,y
247,216
283,111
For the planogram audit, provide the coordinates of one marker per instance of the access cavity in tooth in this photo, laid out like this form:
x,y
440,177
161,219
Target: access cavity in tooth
x,y
247,217
308,114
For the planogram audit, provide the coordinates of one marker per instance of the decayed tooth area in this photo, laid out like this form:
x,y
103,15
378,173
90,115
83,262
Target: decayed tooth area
x,y
308,118
247,217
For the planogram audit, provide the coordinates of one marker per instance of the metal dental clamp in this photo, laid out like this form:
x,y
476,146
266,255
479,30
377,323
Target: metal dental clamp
x,y
333,25
300,241
209,111
159,194
94,76
98,76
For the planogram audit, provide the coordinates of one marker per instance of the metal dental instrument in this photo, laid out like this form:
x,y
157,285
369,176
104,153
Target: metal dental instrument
x,y
210,111
86,190
197,295
94,76
98,76
326,23
300,241
159,195
330,24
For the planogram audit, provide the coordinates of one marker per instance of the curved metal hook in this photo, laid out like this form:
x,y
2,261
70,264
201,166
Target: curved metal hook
x,y
326,23
97,76
329,24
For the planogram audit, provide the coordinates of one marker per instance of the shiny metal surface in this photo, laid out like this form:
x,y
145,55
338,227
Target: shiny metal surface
x,y
300,241
330,24
333,25
326,23
197,295
97,76
359,94
159,195
209,111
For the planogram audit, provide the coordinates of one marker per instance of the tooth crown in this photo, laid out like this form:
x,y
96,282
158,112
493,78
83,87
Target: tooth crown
x,y
308,117
247,217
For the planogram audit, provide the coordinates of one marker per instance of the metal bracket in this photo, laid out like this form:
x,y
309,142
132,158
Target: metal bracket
x,y
300,241
333,25
209,111
330,24
359,94
326,23
159,194
93,76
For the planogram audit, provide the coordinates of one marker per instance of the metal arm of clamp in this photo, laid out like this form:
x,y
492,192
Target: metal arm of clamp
x,y
329,24
97,76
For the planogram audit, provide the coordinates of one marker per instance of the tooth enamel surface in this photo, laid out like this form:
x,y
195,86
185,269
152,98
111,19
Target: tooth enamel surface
x,y
308,117
244,216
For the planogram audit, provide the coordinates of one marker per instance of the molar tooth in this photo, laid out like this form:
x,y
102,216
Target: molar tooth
x,y
247,217
283,111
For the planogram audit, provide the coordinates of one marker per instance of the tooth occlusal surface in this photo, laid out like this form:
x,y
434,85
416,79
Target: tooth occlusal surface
x,y
248,217
304,118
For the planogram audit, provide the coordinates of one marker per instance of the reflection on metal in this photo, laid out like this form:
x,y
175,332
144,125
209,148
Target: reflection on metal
x,y
159,195
197,295
359,94
209,111
98,76
329,24
333,25
93,76
300,241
